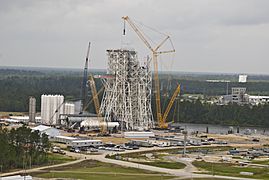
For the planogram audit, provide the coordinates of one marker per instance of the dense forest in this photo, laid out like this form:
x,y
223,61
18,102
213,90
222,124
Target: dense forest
x,y
22,148
16,85
232,114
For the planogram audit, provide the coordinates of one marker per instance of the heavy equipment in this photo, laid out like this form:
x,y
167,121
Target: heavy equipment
x,y
155,52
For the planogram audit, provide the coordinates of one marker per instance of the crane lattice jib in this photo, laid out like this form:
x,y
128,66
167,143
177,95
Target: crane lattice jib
x,y
171,102
155,54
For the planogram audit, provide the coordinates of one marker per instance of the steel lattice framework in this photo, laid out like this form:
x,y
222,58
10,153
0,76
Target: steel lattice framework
x,y
127,96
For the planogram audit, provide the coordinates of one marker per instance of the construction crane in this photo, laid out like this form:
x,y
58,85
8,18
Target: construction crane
x,y
171,102
155,52
97,104
83,94
89,102
94,95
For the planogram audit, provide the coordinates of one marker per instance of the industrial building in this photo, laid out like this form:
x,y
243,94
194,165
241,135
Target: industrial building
x,y
239,95
127,96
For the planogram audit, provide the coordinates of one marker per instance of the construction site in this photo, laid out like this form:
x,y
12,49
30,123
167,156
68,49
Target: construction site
x,y
130,126
130,88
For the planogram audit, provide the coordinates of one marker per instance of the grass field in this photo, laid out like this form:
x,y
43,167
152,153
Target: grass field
x,y
165,164
54,158
176,150
228,169
87,170
262,162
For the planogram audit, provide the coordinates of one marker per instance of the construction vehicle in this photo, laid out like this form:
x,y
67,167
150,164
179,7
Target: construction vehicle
x,y
155,52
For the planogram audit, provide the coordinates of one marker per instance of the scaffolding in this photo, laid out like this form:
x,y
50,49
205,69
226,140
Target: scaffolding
x,y
127,96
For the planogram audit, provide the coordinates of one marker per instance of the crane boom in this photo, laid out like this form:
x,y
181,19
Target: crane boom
x,y
95,95
171,102
84,81
155,54
97,104
89,102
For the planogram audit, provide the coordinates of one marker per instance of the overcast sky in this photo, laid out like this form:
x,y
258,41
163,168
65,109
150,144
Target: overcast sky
x,y
209,35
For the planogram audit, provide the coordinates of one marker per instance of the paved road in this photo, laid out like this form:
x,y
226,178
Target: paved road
x,y
181,173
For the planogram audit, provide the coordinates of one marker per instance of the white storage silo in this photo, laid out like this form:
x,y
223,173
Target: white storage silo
x,y
32,109
51,108
69,108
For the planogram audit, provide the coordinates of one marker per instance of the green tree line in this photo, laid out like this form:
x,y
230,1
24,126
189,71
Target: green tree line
x,y
22,148
232,114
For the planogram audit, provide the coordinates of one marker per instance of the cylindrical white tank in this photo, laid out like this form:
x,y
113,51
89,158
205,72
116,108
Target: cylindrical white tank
x,y
51,108
94,123
69,108
32,109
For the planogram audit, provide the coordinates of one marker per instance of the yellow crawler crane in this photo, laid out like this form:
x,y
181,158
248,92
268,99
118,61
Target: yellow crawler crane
x,y
171,102
97,104
155,52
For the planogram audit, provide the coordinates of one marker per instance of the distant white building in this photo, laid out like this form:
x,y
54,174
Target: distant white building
x,y
242,78
51,108
240,96
50,131
255,100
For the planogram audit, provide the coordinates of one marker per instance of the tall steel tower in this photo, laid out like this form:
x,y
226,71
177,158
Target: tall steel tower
x,y
127,96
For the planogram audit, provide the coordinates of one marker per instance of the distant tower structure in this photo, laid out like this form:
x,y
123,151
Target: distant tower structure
x,y
242,78
127,96
32,109
51,108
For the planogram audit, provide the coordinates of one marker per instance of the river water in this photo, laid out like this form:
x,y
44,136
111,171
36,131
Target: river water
x,y
223,129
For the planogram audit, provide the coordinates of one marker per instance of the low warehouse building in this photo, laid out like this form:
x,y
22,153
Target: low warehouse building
x,y
50,131
137,134
64,139
84,143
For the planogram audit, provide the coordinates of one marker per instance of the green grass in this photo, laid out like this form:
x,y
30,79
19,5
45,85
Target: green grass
x,y
228,169
205,179
165,164
262,162
173,151
89,169
54,158
88,176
